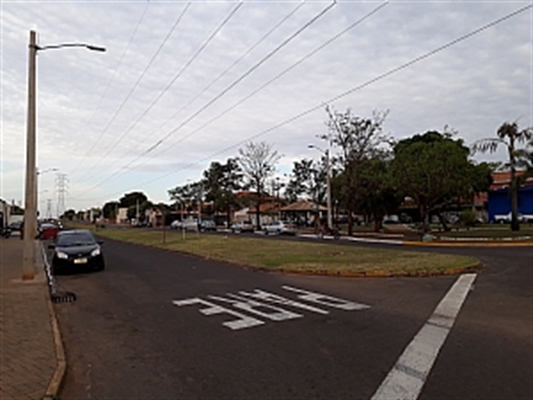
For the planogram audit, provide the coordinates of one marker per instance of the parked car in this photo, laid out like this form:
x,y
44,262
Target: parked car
x,y
391,219
242,226
279,228
190,225
15,226
208,225
175,224
76,250
506,219
48,231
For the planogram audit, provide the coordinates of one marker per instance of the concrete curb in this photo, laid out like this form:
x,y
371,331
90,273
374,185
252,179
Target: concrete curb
x,y
465,243
57,379
474,242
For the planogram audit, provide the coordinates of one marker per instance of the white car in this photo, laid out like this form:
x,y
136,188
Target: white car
x,y
279,228
175,224
242,226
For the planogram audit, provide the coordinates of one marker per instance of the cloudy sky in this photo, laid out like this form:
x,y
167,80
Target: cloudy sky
x,y
183,84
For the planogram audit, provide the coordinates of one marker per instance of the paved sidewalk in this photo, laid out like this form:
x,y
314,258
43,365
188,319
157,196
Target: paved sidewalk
x,y
28,358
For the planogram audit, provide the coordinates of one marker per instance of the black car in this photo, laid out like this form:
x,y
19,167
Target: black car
x,y
76,250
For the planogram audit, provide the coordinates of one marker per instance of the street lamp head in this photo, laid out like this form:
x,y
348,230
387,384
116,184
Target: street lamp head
x,y
96,48
62,45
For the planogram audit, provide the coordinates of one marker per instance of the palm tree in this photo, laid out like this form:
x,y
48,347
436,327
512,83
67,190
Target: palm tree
x,y
508,136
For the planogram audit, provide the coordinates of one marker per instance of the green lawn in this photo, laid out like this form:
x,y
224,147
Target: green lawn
x,y
295,256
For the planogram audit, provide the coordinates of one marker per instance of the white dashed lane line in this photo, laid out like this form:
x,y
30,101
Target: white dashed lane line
x,y
407,377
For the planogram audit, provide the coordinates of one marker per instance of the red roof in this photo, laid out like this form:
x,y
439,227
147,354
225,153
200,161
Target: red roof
x,y
502,179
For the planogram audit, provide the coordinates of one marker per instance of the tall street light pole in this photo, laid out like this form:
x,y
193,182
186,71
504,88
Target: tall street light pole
x,y
328,182
30,206
30,197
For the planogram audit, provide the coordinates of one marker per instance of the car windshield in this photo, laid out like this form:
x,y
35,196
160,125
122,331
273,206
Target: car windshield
x,y
75,239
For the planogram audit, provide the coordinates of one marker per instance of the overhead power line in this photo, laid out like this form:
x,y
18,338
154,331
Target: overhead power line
x,y
239,59
227,89
339,96
139,79
169,85
108,85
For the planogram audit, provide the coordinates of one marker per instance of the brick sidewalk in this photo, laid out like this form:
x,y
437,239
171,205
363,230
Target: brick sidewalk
x,y
27,347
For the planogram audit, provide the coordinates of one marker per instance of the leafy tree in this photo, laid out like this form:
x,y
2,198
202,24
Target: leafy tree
x,y
434,170
508,136
358,139
142,207
131,199
110,209
220,183
184,196
69,214
378,195
258,163
308,179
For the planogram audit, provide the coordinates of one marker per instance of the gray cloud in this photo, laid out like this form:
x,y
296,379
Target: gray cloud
x,y
473,86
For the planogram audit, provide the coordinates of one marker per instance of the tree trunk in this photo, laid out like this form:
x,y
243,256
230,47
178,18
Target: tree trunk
x,y
257,215
378,222
423,217
515,225
443,222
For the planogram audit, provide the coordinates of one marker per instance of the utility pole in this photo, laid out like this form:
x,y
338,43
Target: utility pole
x,y
30,198
30,206
328,178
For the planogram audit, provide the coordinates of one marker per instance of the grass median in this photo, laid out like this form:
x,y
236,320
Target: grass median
x,y
298,257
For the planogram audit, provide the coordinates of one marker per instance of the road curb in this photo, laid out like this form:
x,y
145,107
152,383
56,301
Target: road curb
x,y
57,379
469,244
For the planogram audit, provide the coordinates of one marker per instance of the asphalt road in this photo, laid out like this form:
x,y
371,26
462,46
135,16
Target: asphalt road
x,y
125,337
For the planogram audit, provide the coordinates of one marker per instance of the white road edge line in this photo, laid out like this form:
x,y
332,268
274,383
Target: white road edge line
x,y
407,377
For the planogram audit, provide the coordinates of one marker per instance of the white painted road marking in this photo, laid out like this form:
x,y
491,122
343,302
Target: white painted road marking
x,y
254,307
242,301
243,321
326,300
407,377
274,298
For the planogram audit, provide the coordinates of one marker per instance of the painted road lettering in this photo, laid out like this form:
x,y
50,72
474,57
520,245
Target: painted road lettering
x,y
248,302
243,321
254,307
274,298
326,300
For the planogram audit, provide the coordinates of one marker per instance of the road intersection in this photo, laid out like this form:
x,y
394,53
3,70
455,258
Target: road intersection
x,y
159,324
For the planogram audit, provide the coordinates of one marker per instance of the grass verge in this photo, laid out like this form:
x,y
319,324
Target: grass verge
x,y
299,257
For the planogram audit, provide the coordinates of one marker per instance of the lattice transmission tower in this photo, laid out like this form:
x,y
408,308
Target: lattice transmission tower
x,y
61,190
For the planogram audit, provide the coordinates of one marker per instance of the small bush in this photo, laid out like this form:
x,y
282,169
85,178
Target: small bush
x,y
468,218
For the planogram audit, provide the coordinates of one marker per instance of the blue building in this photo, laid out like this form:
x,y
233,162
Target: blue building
x,y
499,201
